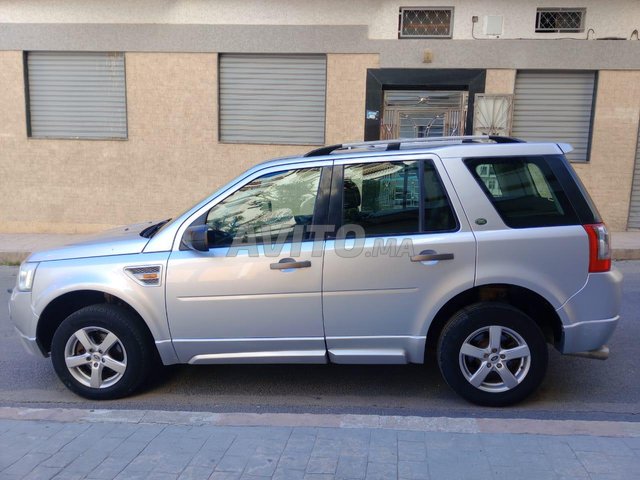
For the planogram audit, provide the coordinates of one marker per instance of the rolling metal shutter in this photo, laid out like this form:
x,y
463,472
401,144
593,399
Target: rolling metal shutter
x,y
273,99
555,106
634,207
77,95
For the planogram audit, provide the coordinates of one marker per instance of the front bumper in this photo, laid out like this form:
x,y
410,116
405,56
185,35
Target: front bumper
x,y
24,320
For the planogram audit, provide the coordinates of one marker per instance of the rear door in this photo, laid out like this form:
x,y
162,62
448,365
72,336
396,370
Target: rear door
x,y
403,248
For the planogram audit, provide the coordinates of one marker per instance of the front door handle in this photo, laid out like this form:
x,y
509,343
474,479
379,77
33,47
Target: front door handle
x,y
287,263
430,255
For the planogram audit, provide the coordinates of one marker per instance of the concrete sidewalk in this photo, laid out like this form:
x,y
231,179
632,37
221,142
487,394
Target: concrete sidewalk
x,y
15,247
69,444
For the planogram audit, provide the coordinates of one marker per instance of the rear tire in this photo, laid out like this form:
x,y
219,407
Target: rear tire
x,y
492,354
101,352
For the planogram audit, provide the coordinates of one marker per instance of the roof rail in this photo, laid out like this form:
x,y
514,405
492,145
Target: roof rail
x,y
395,144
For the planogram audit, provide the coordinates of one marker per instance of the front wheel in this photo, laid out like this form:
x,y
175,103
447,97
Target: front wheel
x,y
492,354
101,353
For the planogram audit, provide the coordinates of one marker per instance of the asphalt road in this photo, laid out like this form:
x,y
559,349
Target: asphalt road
x,y
575,388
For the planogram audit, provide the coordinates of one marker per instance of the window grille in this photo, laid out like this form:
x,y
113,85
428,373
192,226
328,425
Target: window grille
x,y
560,20
426,22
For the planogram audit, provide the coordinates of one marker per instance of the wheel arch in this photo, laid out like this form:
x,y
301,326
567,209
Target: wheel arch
x,y
64,305
530,302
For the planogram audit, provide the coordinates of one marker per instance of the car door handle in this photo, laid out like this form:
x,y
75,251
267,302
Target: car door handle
x,y
287,263
429,257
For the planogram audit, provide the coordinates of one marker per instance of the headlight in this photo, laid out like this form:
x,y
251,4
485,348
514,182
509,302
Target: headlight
x,y
25,276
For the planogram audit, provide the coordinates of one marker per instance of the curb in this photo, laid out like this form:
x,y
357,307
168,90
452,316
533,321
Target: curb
x,y
346,421
11,258
625,254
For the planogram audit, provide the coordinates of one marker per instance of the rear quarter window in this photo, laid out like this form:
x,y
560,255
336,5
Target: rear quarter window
x,y
524,191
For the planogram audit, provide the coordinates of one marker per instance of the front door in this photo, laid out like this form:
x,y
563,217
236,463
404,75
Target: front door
x,y
423,113
403,250
255,296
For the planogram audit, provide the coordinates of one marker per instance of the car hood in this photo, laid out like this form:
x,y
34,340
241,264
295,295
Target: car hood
x,y
118,241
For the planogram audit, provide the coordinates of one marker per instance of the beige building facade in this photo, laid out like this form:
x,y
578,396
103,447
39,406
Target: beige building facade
x,y
172,154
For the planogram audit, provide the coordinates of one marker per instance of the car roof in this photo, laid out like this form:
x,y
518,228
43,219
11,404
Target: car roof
x,y
444,147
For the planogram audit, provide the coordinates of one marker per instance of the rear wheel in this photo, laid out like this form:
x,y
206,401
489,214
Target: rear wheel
x,y
492,354
100,352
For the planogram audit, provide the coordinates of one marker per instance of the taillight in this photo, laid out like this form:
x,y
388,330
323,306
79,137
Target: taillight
x,y
599,250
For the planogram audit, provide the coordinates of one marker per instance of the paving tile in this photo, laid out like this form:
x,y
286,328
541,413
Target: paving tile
x,y
25,464
413,470
412,451
261,465
383,454
195,473
42,473
232,463
293,462
381,471
225,476
351,467
287,474
318,476
322,465
109,468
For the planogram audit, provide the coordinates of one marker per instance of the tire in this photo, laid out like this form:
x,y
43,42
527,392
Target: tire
x,y
113,371
474,350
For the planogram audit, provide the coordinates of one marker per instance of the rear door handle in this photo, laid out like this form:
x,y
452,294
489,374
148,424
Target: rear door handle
x,y
287,263
429,257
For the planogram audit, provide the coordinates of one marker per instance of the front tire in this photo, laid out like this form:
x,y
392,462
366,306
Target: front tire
x,y
101,353
492,354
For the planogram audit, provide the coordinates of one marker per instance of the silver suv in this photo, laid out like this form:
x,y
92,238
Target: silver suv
x,y
479,251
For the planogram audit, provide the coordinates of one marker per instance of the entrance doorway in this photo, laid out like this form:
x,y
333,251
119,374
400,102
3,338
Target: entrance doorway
x,y
423,113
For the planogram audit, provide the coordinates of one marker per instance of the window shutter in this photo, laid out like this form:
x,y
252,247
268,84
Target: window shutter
x,y
77,95
272,99
634,208
555,106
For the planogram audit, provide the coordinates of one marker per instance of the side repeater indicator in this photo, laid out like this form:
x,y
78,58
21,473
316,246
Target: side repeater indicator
x,y
147,275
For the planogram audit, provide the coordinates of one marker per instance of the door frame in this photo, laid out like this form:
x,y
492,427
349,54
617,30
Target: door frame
x,y
380,79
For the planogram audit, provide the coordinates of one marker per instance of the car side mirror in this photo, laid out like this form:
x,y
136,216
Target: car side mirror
x,y
196,238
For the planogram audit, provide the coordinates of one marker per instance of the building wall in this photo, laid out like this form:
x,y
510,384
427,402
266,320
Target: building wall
x,y
609,174
380,16
172,156
171,159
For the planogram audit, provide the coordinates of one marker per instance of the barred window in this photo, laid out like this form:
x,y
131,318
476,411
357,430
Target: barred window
x,y
426,22
560,20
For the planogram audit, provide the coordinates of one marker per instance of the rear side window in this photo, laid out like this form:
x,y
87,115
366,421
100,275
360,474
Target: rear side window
x,y
524,191
385,199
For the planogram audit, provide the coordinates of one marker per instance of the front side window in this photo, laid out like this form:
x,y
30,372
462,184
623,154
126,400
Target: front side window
x,y
274,208
524,191
384,199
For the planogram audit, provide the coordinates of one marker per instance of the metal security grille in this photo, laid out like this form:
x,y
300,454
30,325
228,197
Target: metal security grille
x,y
273,99
555,106
560,20
425,22
634,208
77,95
418,114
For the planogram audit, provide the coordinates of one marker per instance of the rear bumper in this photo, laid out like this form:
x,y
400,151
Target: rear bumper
x,y
588,335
